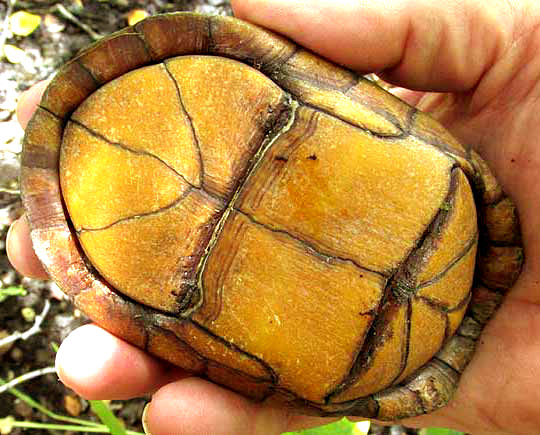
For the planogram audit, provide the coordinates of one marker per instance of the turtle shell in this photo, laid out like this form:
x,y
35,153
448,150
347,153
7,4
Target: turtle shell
x,y
246,210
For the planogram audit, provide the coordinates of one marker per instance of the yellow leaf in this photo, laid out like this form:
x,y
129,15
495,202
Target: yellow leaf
x,y
23,23
362,427
136,15
6,424
14,54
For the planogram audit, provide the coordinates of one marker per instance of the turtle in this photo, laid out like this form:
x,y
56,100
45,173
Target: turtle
x,y
245,209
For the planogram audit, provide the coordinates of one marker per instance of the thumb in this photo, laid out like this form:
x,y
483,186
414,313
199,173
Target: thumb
x,y
418,44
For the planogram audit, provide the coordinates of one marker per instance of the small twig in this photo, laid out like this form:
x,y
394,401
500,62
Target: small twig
x,y
70,17
5,25
36,327
10,191
26,377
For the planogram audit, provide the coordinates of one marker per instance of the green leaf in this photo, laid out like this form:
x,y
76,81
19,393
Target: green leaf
x,y
11,291
6,424
106,416
439,431
342,427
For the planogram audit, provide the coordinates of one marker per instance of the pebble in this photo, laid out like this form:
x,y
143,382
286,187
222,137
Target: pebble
x,y
4,349
42,356
9,278
72,405
16,354
23,409
28,314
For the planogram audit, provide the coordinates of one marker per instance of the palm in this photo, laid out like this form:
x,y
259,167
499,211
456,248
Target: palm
x,y
497,384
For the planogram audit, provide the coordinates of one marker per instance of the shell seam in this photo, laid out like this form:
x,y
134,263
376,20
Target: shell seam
x,y
257,158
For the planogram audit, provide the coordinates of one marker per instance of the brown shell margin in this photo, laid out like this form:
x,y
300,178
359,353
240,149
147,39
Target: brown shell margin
x,y
164,36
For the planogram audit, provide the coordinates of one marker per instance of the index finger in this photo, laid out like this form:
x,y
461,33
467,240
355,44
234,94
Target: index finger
x,y
418,44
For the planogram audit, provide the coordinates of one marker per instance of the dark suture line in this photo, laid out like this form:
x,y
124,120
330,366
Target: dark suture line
x,y
195,138
405,274
461,305
147,48
97,82
407,343
301,137
445,364
362,359
386,137
50,112
446,329
183,342
386,114
411,115
308,247
392,119
146,339
274,378
284,61
469,245
439,144
437,305
218,303
273,131
141,215
391,294
296,74
207,361
143,153
357,79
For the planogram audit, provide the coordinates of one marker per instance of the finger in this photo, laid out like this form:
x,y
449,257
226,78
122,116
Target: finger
x,y
419,44
99,365
195,406
28,102
20,251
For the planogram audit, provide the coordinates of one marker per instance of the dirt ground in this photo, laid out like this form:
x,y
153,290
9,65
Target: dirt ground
x,y
66,27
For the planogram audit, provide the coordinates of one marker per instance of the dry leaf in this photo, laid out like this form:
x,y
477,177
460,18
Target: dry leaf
x,y
72,405
14,54
23,23
6,424
362,427
53,24
136,15
77,4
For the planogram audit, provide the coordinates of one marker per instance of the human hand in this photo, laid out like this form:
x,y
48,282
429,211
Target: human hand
x,y
483,64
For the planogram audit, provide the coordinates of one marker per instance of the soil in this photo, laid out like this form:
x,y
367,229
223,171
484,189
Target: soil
x,y
58,38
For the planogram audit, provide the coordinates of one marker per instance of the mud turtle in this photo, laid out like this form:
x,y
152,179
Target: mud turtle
x,y
244,209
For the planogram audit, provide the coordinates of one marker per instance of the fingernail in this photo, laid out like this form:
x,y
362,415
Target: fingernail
x,y
11,228
9,234
144,419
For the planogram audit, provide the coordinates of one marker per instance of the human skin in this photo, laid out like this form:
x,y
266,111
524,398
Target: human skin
x,y
477,70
